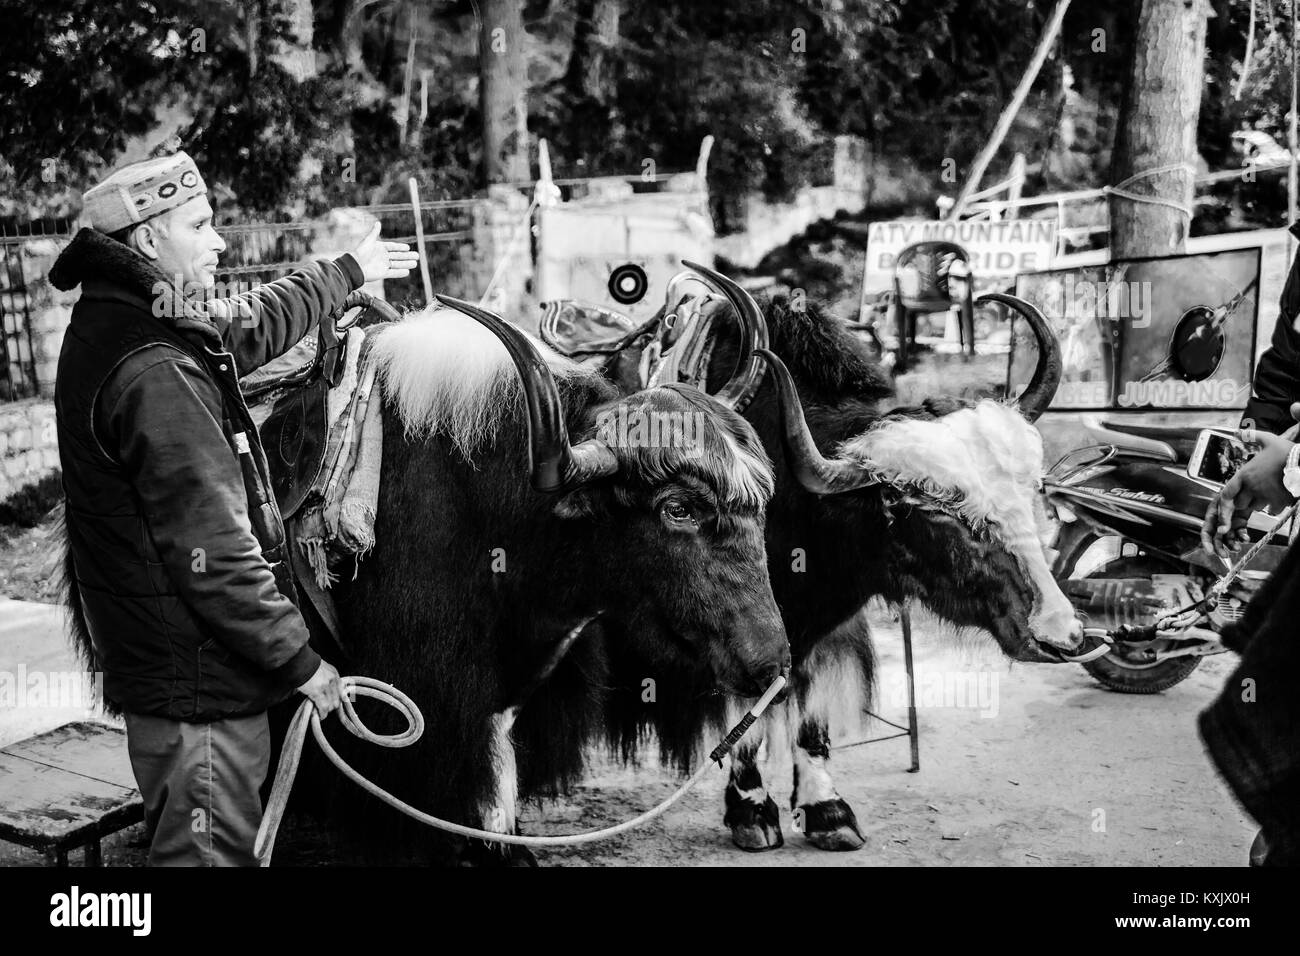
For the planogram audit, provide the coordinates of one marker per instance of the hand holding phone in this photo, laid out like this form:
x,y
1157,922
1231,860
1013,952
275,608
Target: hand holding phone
x,y
1254,485
1218,456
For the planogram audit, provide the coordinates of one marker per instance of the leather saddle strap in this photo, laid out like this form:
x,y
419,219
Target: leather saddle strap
x,y
686,360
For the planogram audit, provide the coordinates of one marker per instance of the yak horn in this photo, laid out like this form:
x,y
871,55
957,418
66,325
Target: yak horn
x,y
1040,391
554,464
739,391
815,472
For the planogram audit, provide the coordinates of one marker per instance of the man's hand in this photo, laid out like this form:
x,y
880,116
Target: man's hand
x,y
384,260
1257,484
1291,433
323,689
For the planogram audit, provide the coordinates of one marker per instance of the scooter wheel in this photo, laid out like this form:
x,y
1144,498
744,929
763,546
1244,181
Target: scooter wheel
x,y
1114,674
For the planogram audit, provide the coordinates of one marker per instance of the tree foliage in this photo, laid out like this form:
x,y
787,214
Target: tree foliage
x,y
615,86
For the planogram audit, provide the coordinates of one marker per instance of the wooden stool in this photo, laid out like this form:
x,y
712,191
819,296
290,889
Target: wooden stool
x,y
67,788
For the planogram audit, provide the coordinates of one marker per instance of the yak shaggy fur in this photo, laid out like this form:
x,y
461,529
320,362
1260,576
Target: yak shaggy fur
x,y
475,576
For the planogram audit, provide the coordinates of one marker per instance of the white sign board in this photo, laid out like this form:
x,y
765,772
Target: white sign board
x,y
999,251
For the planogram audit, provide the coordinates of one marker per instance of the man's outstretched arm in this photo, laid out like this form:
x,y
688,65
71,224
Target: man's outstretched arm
x,y
263,324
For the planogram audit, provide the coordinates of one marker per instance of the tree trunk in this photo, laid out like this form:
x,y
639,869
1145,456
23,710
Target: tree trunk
x,y
294,52
595,33
252,11
502,85
345,30
1157,129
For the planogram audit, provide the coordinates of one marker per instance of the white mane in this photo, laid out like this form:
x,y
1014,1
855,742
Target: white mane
x,y
445,373
983,460
986,464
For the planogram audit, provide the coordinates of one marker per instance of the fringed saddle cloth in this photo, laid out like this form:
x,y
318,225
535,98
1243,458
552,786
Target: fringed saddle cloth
x,y
332,513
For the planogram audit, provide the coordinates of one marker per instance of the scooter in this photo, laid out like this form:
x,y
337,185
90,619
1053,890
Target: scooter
x,y
1129,553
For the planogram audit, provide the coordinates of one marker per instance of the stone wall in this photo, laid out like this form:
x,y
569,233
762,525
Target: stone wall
x,y
29,448
28,445
857,180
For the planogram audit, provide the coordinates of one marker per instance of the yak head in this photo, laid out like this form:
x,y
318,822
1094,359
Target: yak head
x,y
652,514
967,529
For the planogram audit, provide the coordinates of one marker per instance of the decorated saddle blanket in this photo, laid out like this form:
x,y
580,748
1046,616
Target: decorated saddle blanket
x,y
324,445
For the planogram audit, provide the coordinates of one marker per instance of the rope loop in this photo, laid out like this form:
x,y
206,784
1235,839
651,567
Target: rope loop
x,y
307,717
1121,189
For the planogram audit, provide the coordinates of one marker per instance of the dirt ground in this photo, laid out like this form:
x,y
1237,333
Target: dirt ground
x,y
1065,773
1045,768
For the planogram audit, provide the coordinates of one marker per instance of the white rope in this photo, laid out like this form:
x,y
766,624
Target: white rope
x,y
1122,191
1220,586
306,716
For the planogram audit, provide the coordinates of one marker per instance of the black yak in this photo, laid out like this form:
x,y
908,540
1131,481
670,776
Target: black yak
x,y
937,502
496,537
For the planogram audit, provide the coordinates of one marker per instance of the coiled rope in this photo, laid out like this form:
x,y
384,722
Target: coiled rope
x,y
307,716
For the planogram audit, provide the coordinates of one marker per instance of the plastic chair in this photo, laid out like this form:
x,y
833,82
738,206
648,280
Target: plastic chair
x,y
932,265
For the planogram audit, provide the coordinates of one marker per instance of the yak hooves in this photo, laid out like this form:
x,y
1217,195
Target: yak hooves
x,y
755,827
831,825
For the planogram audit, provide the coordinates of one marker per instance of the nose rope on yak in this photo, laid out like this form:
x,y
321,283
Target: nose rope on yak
x,y
307,716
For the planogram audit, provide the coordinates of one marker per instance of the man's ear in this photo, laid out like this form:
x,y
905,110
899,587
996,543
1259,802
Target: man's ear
x,y
582,503
145,240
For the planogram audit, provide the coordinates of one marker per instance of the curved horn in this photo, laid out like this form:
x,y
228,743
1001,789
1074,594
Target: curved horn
x,y
554,464
739,391
1040,391
818,474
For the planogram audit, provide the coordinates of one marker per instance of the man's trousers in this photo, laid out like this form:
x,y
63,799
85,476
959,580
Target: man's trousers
x,y
200,787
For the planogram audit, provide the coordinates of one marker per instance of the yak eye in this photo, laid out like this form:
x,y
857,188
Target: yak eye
x,y
677,516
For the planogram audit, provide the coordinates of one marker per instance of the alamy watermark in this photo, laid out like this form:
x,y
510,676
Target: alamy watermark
x,y
971,690
1073,298
626,426
226,300
22,688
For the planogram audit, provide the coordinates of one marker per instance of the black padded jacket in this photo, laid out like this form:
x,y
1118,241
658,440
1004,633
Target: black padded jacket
x,y
176,549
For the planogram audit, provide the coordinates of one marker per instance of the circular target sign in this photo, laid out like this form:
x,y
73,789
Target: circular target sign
x,y
628,284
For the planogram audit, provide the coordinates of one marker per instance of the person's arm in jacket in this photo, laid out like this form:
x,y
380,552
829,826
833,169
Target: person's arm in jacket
x,y
162,422
263,324
1277,375
1277,380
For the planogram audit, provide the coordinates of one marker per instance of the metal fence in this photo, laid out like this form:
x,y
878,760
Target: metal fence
x,y
263,251
18,370
256,252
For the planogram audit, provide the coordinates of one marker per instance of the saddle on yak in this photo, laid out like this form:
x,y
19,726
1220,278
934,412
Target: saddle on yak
x,y
322,435
675,345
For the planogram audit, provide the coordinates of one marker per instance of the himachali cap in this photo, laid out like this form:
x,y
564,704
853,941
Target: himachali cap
x,y
141,191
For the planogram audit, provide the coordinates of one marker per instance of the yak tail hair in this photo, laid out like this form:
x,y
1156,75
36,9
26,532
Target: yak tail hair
x,y
66,585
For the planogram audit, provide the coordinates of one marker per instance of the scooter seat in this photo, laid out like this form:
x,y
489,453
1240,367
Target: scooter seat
x,y
1178,439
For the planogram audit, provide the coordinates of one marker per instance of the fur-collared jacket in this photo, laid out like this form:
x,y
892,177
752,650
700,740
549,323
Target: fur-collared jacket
x,y
176,558
1277,376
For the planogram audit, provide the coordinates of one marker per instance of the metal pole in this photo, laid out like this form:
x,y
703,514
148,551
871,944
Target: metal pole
x,y
1009,114
419,241
913,732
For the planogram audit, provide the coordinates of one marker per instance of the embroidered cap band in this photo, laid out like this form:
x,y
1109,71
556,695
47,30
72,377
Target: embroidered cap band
x,y
141,191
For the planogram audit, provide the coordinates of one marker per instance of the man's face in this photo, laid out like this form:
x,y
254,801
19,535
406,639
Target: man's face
x,y
185,243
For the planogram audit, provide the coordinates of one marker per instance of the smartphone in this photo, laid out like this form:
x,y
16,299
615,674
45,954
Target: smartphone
x,y
1217,456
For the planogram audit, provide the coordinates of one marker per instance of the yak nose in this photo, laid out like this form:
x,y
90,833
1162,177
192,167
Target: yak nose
x,y
762,676
1076,630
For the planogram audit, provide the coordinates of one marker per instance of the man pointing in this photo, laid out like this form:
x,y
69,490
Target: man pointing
x,y
176,549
